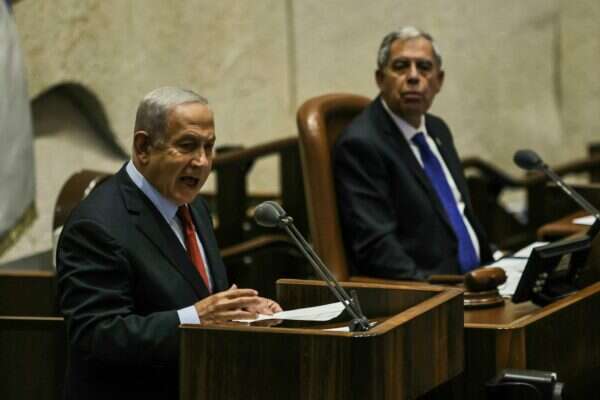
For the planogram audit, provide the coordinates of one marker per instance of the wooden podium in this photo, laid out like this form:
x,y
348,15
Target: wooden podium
x,y
416,345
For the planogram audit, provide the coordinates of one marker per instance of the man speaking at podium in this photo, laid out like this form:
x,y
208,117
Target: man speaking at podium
x,y
138,257
402,195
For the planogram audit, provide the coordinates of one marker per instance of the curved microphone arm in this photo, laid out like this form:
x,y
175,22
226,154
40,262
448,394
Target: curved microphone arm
x,y
271,214
583,203
351,303
530,160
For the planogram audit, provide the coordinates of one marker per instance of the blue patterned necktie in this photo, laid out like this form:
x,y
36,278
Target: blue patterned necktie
x,y
467,257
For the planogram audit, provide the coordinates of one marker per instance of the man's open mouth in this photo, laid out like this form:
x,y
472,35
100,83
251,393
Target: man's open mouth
x,y
190,181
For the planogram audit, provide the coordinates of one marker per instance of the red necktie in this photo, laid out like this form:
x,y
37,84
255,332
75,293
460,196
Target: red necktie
x,y
192,245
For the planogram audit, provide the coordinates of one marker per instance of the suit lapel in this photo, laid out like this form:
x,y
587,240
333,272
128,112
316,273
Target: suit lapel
x,y
390,129
152,224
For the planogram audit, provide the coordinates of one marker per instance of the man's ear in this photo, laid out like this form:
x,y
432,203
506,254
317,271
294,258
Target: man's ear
x,y
142,145
441,76
378,77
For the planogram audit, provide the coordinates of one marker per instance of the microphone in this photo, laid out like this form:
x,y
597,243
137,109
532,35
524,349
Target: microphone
x,y
270,214
530,160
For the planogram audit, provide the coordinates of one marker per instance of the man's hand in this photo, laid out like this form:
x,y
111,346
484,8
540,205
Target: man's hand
x,y
231,304
266,306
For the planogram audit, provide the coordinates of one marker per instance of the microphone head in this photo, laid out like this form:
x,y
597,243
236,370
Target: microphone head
x,y
528,159
269,214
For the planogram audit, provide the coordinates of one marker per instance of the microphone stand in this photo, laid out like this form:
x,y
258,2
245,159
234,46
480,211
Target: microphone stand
x,y
359,322
583,203
546,291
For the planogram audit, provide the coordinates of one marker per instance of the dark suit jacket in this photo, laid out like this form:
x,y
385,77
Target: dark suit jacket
x,y
123,275
393,223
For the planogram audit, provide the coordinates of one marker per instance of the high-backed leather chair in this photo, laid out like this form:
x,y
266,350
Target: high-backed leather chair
x,y
320,122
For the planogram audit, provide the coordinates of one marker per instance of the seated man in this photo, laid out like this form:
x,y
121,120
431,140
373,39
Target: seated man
x,y
138,257
402,195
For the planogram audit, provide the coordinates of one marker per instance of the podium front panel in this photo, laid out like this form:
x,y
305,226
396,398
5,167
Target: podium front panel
x,y
416,345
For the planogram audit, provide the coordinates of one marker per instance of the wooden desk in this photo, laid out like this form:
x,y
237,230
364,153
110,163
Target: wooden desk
x,y
563,337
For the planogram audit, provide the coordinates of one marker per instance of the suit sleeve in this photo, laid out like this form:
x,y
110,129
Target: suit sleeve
x,y
369,217
96,284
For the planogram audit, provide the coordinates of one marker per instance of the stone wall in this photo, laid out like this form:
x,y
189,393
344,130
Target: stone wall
x,y
518,74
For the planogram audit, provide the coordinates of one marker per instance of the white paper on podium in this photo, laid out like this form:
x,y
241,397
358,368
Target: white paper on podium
x,y
322,313
513,266
587,220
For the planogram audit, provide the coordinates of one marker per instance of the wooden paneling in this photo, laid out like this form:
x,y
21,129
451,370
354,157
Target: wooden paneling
x,y
32,357
28,287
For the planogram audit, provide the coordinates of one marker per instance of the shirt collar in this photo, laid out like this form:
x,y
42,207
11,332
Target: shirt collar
x,y
407,129
166,207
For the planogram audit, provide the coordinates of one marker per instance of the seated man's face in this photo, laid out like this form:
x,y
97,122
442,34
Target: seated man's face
x,y
180,164
411,78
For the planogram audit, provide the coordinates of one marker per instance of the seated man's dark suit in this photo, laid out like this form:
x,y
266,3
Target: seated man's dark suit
x,y
393,223
123,275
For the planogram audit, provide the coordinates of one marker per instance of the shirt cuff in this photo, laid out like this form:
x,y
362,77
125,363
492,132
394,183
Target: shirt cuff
x,y
188,315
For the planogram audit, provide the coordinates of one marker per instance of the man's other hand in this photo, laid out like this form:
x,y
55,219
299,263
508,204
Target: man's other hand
x,y
266,307
234,303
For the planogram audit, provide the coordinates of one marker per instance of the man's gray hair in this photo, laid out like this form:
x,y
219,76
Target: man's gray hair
x,y
153,110
403,34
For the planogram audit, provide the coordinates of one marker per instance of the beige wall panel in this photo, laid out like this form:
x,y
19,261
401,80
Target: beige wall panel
x,y
579,73
231,51
500,60
235,53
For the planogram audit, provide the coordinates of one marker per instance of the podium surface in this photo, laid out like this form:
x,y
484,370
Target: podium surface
x,y
416,345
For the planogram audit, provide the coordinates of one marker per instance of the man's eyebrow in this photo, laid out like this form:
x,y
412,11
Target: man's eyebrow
x,y
408,58
187,135
194,133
